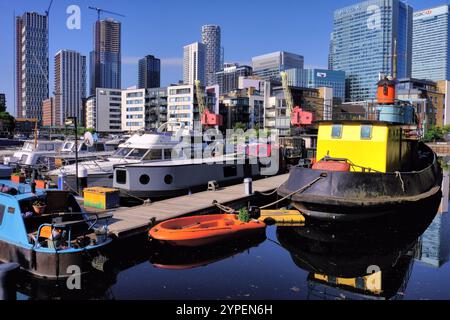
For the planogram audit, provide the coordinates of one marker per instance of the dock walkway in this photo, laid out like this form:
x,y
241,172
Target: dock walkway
x,y
132,221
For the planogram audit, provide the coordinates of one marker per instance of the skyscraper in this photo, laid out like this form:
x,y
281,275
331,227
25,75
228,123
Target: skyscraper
x,y
149,72
70,84
211,39
228,78
194,63
431,44
106,59
32,72
269,66
365,37
330,53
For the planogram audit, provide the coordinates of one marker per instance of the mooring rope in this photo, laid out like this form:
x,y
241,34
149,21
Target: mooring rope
x,y
399,176
309,185
268,194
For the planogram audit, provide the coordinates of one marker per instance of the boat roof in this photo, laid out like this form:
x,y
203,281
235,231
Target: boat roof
x,y
149,140
364,122
186,162
24,190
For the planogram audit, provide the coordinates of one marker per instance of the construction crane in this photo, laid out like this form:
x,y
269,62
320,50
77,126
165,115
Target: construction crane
x,y
208,118
47,13
297,115
100,11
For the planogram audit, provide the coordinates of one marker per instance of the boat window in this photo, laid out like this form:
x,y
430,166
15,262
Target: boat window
x,y
154,154
2,212
121,176
144,179
122,152
167,154
99,147
28,146
83,147
168,179
366,132
230,171
137,154
336,131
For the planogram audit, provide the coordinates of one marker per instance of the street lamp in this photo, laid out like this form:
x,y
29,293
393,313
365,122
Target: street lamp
x,y
72,121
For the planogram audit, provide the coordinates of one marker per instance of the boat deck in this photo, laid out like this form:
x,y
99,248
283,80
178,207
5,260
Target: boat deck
x,y
134,221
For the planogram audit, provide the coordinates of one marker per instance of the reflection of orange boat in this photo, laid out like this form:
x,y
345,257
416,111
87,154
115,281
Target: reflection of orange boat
x,y
203,230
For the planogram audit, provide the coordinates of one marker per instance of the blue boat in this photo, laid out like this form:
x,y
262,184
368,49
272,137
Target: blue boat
x,y
48,234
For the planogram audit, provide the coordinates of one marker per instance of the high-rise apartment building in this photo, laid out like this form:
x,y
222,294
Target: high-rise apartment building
x,y
269,66
431,44
32,70
211,38
106,59
104,110
366,39
133,110
70,84
194,63
149,72
228,78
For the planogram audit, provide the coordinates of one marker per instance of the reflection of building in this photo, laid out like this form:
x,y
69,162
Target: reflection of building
x,y
431,44
364,38
435,242
269,66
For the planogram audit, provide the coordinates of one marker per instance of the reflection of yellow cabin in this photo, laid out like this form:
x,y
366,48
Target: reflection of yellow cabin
x,y
371,283
378,146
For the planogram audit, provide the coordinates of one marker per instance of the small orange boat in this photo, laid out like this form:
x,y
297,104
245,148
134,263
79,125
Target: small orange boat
x,y
204,230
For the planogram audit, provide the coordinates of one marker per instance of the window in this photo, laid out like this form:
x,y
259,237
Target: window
x,y
230,171
154,154
167,154
137,153
144,179
366,132
336,131
121,176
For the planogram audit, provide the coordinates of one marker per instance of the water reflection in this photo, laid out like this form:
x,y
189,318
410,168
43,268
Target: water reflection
x,y
370,261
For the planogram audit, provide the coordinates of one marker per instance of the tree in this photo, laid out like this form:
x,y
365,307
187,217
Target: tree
x,y
7,120
240,125
434,134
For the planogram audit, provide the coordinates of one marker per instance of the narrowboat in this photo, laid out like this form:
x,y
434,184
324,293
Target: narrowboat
x,y
48,234
367,167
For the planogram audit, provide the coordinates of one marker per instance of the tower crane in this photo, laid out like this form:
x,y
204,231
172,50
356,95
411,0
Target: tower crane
x,y
208,118
298,116
100,11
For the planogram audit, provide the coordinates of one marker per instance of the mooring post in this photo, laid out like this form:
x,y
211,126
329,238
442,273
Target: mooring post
x,y
83,179
248,185
8,281
61,181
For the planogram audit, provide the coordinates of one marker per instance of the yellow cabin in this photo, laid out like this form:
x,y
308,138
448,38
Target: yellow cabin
x,y
370,146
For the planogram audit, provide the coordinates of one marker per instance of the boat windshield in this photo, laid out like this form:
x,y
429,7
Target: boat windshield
x,y
137,154
122,152
28,146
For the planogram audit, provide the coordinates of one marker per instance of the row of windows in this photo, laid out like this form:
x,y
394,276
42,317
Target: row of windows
x,y
180,99
135,101
135,95
135,116
134,124
135,109
366,132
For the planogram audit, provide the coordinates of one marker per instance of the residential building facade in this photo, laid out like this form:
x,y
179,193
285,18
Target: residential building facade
x,y
194,63
269,66
50,115
70,84
211,38
149,72
32,64
228,78
106,59
104,111
133,110
431,44
156,108
366,39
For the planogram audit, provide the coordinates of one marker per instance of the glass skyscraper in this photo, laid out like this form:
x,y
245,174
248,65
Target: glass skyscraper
x,y
211,38
106,59
431,44
365,36
269,66
149,72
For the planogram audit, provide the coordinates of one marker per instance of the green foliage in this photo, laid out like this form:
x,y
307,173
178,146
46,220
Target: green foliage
x,y
244,215
240,125
435,134
8,121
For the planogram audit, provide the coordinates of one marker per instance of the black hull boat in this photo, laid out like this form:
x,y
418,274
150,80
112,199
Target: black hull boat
x,y
337,195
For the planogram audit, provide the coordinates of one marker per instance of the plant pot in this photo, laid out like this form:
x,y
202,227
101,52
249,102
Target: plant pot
x,y
39,210
18,179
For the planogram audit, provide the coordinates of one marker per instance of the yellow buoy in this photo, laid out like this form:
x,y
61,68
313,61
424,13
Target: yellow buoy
x,y
282,217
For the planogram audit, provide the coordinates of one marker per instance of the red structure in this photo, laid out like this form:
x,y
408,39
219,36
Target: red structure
x,y
300,117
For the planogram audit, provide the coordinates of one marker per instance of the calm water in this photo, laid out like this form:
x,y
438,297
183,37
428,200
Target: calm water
x,y
286,263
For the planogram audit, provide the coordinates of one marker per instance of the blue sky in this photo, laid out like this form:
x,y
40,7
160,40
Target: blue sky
x,y
162,28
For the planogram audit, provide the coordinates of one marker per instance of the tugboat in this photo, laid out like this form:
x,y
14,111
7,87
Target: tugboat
x,y
47,233
367,167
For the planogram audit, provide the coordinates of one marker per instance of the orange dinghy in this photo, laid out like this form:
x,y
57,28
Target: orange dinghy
x,y
203,230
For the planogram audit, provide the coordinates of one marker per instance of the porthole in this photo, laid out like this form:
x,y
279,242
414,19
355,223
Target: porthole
x,y
144,179
168,179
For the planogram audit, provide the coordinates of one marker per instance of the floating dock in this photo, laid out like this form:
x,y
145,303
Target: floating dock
x,y
128,222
